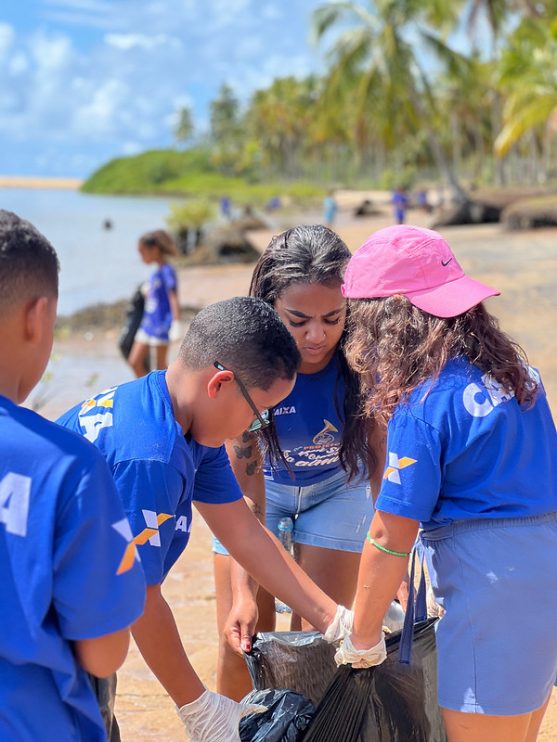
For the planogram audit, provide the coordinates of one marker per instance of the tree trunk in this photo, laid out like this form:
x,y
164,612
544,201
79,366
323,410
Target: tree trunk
x,y
439,156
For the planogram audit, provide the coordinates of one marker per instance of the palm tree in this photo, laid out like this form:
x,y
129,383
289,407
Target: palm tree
x,y
279,117
184,129
528,78
375,51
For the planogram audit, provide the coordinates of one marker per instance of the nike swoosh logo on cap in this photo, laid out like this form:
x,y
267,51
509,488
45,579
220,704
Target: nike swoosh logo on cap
x,y
446,262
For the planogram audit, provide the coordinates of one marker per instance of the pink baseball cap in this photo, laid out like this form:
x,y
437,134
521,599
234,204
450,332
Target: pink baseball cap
x,y
416,263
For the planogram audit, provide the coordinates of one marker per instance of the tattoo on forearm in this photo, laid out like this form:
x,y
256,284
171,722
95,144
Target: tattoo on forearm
x,y
251,468
243,453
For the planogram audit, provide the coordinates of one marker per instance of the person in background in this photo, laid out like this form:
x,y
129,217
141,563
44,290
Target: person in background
x,y
226,207
161,316
315,470
472,458
162,436
71,583
330,208
399,201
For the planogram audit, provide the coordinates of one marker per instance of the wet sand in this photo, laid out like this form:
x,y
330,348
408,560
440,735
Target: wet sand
x,y
522,265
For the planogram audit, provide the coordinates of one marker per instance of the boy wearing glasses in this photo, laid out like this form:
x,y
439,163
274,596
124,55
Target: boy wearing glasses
x,y
163,437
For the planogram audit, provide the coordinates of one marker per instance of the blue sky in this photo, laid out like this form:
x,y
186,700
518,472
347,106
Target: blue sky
x,y
82,81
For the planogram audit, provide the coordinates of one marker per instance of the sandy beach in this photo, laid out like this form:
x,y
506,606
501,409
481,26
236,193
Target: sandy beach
x,y
522,264
37,181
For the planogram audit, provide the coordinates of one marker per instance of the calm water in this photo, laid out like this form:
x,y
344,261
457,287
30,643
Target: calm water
x,y
97,265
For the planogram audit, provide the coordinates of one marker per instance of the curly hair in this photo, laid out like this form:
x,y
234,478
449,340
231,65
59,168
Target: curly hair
x,y
314,254
402,346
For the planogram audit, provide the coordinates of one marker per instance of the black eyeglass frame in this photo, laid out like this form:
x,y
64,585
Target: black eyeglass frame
x,y
260,422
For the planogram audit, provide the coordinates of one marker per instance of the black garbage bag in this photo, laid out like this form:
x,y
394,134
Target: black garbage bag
x,y
299,660
394,702
134,315
287,717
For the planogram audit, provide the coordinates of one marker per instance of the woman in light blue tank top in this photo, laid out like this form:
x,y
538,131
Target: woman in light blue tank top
x,y
312,471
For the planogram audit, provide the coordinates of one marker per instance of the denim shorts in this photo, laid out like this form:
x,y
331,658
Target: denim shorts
x,y
497,642
332,514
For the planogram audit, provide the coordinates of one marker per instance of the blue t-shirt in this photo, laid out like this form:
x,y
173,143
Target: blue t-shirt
x,y
468,450
68,572
309,427
158,471
157,315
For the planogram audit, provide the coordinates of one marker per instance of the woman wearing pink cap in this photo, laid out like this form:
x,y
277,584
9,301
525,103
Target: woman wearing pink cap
x,y
471,458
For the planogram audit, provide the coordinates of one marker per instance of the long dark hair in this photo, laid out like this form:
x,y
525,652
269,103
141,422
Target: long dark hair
x,y
314,254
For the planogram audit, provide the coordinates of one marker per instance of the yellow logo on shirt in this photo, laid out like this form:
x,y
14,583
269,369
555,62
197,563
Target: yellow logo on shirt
x,y
325,434
150,534
392,472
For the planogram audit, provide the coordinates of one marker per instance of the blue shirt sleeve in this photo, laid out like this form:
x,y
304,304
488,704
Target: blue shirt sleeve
x,y
98,582
412,477
169,277
214,481
151,492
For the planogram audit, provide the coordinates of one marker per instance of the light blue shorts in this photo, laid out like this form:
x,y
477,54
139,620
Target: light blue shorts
x,y
497,642
332,514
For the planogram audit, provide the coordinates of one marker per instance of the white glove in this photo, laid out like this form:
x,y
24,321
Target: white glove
x,y
340,626
214,718
176,331
347,654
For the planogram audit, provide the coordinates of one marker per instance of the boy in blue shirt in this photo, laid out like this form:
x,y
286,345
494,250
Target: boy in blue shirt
x,y
163,437
68,596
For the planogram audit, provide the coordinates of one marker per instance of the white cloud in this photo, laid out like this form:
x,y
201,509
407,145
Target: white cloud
x,y
131,148
7,35
18,64
89,13
135,40
71,96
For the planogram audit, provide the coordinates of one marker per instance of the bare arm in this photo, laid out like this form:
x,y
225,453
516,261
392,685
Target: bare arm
x,y
246,462
158,640
262,555
377,440
174,305
105,654
380,575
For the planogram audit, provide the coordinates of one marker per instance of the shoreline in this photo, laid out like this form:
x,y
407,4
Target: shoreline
x,y
38,181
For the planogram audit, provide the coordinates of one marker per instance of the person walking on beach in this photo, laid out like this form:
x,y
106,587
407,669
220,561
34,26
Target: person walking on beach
x,y
399,201
330,208
472,452
162,436
315,470
161,315
71,585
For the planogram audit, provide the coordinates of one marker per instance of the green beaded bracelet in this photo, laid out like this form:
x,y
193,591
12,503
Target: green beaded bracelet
x,y
384,549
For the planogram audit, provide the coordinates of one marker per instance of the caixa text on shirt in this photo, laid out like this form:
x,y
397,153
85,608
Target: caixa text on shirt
x,y
287,410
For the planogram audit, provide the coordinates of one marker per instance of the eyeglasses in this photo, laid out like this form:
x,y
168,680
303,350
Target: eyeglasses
x,y
262,418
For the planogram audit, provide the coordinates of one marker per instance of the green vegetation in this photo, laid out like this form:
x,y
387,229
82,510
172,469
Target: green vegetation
x,y
191,173
396,105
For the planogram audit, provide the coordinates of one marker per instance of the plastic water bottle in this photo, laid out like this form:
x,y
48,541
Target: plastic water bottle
x,y
285,528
